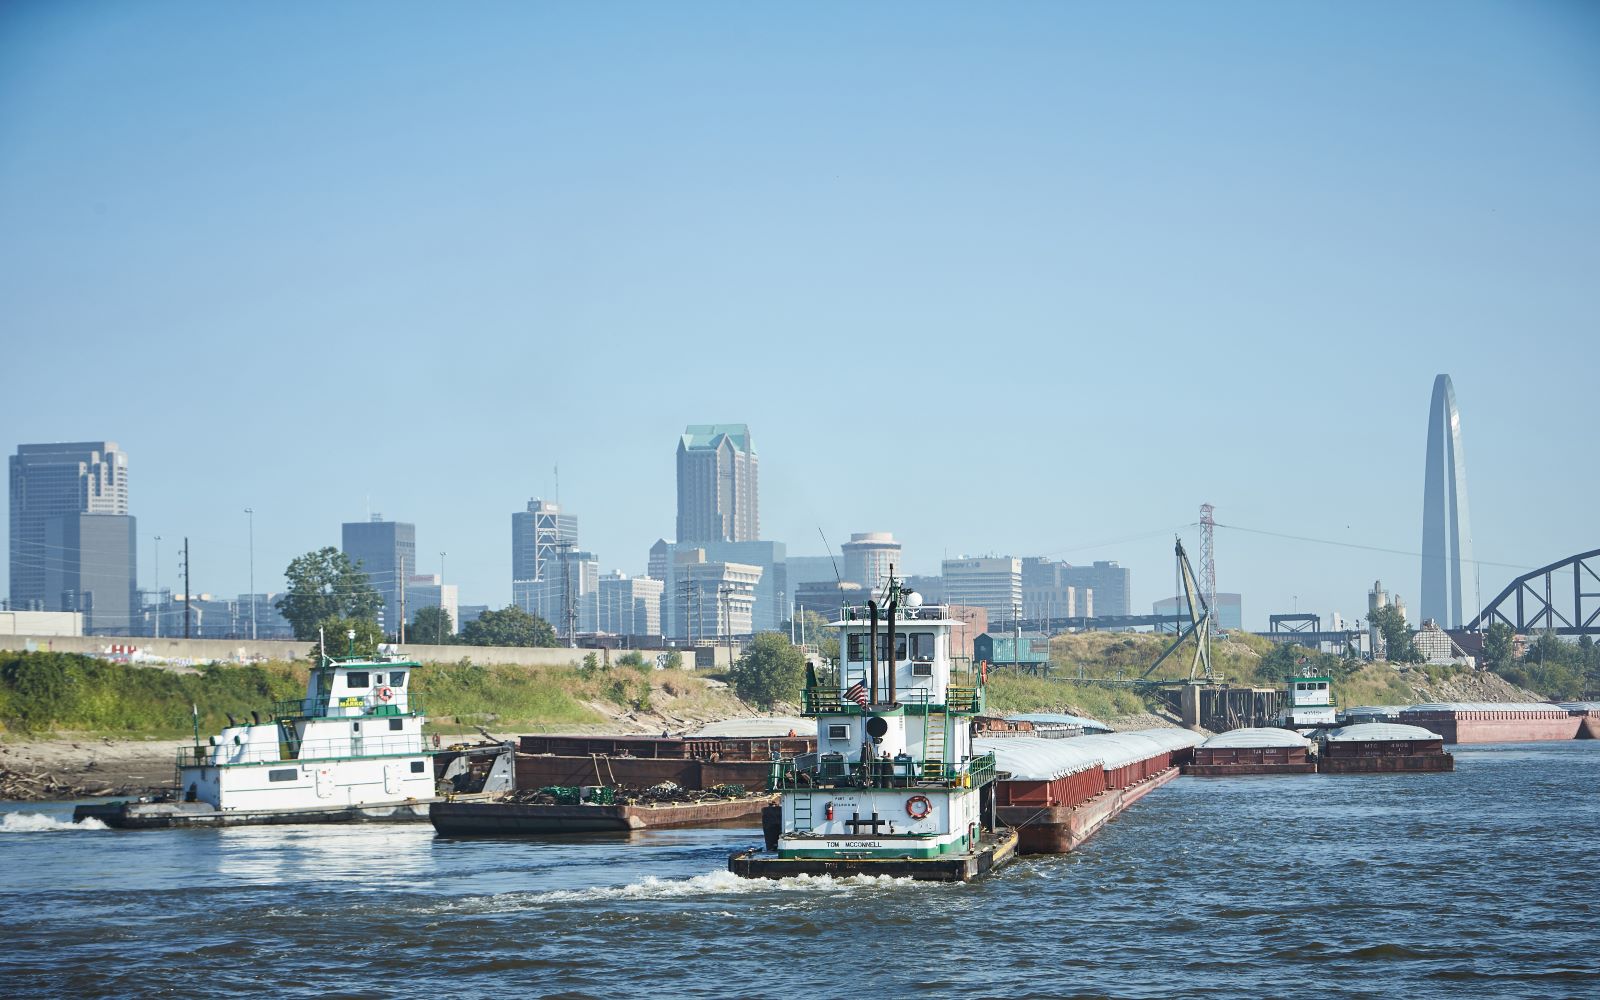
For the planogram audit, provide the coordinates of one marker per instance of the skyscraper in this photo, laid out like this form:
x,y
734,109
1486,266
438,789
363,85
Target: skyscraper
x,y
541,575
387,553
51,481
1446,532
717,496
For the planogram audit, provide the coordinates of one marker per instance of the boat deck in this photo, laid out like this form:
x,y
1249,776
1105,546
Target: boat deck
x,y
995,850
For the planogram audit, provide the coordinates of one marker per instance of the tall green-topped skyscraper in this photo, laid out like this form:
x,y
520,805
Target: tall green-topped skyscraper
x,y
717,496
1446,531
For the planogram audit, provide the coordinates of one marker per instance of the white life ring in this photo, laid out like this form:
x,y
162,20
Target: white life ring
x,y
385,694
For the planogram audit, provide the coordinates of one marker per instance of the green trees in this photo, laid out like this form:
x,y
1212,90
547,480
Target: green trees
x,y
771,670
431,626
1497,646
336,636
1396,635
325,587
510,626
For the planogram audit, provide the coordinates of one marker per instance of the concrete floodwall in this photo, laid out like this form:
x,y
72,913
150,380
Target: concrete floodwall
x,y
189,651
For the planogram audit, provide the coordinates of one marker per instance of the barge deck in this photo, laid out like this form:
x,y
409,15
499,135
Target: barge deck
x,y
133,815
517,818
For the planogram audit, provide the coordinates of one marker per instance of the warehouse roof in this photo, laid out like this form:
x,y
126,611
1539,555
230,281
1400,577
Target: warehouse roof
x,y
1034,758
1370,732
1256,737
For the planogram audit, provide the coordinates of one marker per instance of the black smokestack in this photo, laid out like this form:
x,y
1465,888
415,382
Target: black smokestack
x,y
894,651
872,656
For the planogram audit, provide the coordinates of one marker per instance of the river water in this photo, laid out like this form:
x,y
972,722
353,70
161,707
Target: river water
x,y
1476,883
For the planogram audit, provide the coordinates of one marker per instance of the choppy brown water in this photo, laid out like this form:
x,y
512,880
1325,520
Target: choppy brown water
x,y
1475,883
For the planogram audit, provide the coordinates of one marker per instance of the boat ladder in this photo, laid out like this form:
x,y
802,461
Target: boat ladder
x,y
802,812
933,746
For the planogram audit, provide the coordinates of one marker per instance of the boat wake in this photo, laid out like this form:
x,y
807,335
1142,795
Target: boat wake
x,y
711,885
40,823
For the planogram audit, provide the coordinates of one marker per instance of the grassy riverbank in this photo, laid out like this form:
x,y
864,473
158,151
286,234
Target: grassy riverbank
x,y
43,693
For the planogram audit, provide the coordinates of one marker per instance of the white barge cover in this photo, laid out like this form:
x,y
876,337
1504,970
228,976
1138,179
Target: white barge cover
x,y
1371,732
1255,737
1034,758
1483,706
1169,738
758,727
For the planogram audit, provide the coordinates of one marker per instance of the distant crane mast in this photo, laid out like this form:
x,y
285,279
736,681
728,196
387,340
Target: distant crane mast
x,y
1208,558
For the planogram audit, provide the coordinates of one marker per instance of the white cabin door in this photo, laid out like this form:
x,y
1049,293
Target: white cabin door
x,y
355,739
324,783
391,779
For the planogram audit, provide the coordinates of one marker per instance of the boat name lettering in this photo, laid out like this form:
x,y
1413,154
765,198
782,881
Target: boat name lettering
x,y
863,843
349,702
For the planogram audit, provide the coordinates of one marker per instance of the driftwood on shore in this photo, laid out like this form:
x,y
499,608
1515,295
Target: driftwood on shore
x,y
39,786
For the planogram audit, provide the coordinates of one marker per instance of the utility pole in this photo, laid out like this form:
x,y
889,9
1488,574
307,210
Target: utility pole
x,y
402,561
569,611
187,605
250,511
158,587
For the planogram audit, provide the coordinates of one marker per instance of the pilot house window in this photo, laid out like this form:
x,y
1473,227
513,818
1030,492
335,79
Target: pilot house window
x,y
922,645
356,679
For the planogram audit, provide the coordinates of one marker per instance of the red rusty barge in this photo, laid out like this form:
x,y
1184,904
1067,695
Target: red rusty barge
x,y
1252,751
1057,793
479,818
1492,722
1588,716
693,762
1383,748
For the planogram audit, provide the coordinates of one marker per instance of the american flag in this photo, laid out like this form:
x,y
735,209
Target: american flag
x,y
858,694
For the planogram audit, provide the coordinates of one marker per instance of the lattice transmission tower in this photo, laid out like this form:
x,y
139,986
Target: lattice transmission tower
x,y
1208,560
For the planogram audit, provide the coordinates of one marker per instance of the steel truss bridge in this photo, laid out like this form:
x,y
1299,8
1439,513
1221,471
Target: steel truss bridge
x,y
1534,602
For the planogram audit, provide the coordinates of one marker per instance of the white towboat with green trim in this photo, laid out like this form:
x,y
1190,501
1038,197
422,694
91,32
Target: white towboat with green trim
x,y
352,749
894,787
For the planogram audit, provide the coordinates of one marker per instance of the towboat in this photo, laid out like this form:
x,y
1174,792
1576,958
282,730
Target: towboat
x,y
351,749
895,787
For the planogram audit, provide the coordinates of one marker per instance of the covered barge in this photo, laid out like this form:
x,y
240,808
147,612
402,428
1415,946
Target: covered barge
x,y
1383,748
1263,750
1057,793
1494,722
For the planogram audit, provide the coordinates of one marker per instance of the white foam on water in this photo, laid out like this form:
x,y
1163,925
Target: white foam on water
x,y
713,884
40,823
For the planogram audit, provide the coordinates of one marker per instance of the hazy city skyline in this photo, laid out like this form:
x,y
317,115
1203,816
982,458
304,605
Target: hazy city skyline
x,y
1118,263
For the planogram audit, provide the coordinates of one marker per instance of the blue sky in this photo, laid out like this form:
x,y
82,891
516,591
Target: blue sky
x,y
1029,278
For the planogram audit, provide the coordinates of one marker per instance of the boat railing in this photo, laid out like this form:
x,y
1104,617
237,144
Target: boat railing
x,y
223,755
829,700
321,708
812,770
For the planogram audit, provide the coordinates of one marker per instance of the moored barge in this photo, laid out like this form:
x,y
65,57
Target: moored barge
x,y
1383,748
641,761
1255,750
1494,722
523,818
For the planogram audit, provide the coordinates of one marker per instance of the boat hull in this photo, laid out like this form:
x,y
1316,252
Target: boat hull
x,y
995,850
512,818
168,815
